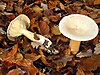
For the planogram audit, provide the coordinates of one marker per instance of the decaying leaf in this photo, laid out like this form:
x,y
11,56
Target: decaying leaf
x,y
80,71
97,20
62,38
13,51
54,18
2,31
37,8
32,56
85,54
44,6
28,64
97,49
90,64
55,30
2,6
24,57
96,2
44,28
14,72
9,15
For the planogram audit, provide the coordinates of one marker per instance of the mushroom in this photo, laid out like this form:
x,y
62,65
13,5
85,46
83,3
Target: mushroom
x,y
78,28
18,27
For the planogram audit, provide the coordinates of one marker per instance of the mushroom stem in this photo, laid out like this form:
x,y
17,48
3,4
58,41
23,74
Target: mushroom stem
x,y
74,46
31,36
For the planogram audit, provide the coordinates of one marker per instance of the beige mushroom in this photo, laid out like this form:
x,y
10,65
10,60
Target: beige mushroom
x,y
78,28
18,27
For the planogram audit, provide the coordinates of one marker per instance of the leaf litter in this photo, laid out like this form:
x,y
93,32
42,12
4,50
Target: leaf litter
x,y
24,57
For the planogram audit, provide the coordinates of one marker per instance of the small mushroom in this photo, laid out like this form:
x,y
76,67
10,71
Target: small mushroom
x,y
18,27
78,28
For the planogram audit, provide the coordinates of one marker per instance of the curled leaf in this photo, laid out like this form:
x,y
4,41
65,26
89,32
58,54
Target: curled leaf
x,y
44,28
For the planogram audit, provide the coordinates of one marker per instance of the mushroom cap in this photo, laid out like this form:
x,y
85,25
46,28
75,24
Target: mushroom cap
x,y
78,27
16,25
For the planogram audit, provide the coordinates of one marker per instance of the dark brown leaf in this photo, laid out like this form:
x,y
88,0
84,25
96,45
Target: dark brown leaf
x,y
44,28
90,64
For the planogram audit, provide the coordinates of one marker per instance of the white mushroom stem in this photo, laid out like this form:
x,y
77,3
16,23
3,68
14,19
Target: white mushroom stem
x,y
74,46
30,36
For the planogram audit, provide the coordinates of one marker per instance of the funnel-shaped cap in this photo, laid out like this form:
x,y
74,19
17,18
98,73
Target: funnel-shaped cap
x,y
78,27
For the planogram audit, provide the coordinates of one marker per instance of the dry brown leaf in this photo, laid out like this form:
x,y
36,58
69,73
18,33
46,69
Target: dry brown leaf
x,y
2,6
84,12
61,6
25,43
80,71
10,15
43,58
32,57
97,49
28,11
90,64
51,4
13,51
9,6
14,72
55,30
54,18
69,10
97,20
28,64
88,2
18,57
62,38
37,8
96,2
44,28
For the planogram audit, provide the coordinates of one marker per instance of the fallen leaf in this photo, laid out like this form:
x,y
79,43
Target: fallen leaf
x,y
54,18
32,57
88,2
62,38
55,30
2,31
97,20
44,28
90,64
80,71
96,2
51,4
97,49
14,72
28,64
61,6
10,16
37,8
44,6
2,6
13,51
88,53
